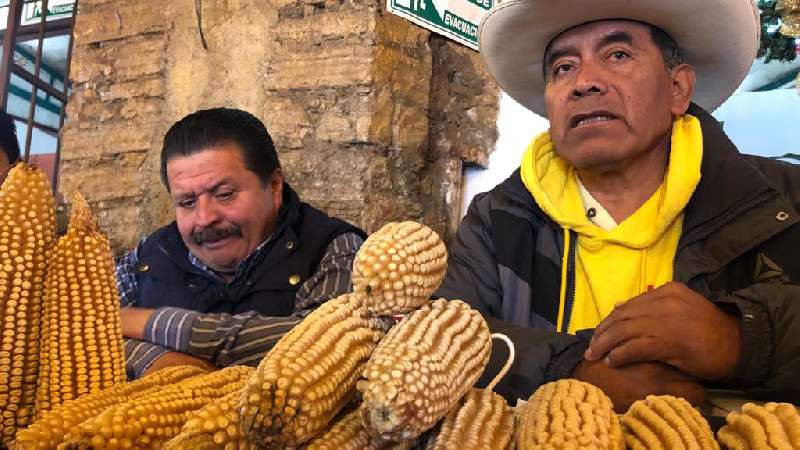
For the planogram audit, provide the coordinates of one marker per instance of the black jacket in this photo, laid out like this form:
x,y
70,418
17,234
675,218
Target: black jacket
x,y
166,277
739,247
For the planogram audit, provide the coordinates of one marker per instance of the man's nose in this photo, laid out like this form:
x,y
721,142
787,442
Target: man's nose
x,y
206,212
589,80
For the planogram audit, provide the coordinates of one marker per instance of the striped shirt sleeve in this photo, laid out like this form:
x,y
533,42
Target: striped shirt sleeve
x,y
334,274
139,355
244,339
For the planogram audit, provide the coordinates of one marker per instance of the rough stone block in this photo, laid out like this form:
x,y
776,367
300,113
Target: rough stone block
x,y
111,21
153,87
91,177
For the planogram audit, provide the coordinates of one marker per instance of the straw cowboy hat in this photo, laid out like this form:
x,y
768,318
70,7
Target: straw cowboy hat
x,y
719,38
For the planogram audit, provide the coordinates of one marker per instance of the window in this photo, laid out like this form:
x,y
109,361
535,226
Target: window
x,y
36,50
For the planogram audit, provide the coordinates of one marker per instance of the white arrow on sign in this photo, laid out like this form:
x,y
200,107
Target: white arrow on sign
x,y
462,8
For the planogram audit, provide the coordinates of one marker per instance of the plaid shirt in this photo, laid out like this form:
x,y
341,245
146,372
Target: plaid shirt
x,y
225,339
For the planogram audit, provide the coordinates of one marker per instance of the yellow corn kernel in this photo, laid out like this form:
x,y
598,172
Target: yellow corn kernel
x,y
482,421
150,421
772,426
81,350
789,418
399,267
422,368
348,433
666,422
27,233
310,374
569,414
217,426
48,431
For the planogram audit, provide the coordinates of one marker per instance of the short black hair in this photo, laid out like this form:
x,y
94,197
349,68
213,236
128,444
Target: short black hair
x,y
211,127
669,49
8,137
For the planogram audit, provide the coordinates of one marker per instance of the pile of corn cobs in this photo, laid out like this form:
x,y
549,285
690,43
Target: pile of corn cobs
x,y
382,367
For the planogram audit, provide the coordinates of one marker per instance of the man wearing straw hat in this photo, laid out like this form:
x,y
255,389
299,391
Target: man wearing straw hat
x,y
635,248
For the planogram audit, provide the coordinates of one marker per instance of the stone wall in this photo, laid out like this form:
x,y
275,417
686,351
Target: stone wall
x,y
373,117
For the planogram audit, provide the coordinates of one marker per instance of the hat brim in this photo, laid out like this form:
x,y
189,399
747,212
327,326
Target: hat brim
x,y
720,38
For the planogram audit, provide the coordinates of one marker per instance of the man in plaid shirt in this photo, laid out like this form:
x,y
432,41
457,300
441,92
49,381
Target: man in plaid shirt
x,y
244,261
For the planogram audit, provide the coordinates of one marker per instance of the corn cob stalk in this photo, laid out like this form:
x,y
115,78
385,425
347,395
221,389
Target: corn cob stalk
x,y
217,426
772,426
81,349
149,421
483,421
569,414
422,368
310,374
399,267
27,232
348,433
49,430
666,422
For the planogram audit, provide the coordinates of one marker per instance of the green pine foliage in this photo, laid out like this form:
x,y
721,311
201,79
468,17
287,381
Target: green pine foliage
x,y
774,46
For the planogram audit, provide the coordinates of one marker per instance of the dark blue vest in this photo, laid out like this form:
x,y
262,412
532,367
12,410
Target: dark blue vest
x,y
166,277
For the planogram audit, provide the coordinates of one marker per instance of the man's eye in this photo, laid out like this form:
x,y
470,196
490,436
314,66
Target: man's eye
x,y
224,195
619,54
187,204
562,68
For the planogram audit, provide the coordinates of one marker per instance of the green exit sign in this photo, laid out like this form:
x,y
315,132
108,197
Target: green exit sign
x,y
55,9
456,19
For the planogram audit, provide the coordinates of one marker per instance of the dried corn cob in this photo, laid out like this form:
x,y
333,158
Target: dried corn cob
x,y
569,414
217,426
27,232
310,374
772,426
81,348
149,421
399,267
348,433
666,422
483,421
422,368
49,430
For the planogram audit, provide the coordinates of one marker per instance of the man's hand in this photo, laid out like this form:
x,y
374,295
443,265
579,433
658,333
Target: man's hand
x,y
624,385
133,321
674,325
170,359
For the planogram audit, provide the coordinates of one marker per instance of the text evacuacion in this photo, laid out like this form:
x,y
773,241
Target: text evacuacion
x,y
458,24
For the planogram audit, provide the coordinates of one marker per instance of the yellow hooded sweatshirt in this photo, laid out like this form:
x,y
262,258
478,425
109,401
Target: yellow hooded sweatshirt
x,y
616,265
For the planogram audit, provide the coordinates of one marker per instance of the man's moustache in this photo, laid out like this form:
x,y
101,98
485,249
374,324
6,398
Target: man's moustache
x,y
206,235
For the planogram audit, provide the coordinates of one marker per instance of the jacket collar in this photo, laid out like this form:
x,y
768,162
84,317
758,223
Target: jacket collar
x,y
729,186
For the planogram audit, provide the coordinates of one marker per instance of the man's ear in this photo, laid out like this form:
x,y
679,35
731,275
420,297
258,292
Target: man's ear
x,y
683,80
276,185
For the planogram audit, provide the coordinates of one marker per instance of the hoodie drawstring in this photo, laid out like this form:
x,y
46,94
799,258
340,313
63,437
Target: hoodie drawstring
x,y
562,297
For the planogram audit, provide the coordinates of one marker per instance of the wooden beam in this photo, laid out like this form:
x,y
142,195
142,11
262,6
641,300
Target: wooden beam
x,y
37,69
52,28
7,57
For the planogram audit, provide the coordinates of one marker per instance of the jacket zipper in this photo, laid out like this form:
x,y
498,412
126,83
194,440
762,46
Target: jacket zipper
x,y
569,301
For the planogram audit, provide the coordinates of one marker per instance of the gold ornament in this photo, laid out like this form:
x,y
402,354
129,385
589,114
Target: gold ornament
x,y
790,12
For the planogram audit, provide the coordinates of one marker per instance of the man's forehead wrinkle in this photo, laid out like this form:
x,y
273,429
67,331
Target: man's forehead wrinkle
x,y
615,37
617,27
194,191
